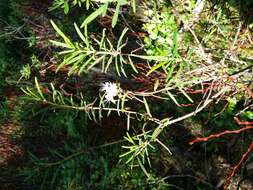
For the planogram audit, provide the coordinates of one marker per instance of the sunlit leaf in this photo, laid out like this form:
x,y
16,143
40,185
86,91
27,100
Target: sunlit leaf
x,y
101,10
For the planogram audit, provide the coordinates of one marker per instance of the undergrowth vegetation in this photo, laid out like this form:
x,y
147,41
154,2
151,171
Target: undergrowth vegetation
x,y
126,94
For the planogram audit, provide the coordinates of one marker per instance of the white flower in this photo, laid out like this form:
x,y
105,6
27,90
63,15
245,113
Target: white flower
x,y
199,7
111,90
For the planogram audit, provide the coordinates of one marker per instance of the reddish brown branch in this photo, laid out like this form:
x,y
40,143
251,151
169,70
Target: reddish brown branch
x,y
203,139
201,91
237,166
185,105
242,122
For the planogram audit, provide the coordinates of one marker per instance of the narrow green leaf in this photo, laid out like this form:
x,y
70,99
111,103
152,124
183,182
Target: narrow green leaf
x,y
80,34
157,66
87,4
133,4
101,10
66,60
65,38
186,95
132,64
66,7
39,88
109,63
95,62
121,59
60,44
118,108
156,133
102,41
147,107
150,57
128,121
28,92
77,60
170,72
156,85
129,138
117,66
173,98
123,99
125,154
116,15
66,51
121,37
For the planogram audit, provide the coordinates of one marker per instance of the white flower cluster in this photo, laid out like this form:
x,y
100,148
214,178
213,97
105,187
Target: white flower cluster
x,y
111,90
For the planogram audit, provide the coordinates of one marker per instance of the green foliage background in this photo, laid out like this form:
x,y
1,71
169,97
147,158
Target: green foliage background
x,y
68,147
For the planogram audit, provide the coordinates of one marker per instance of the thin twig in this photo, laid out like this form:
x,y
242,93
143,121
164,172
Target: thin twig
x,y
237,166
197,110
76,154
204,139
